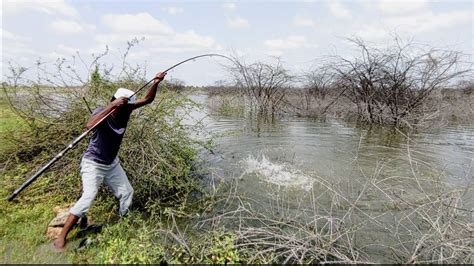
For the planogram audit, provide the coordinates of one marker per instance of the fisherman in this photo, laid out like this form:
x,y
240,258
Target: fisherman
x,y
100,162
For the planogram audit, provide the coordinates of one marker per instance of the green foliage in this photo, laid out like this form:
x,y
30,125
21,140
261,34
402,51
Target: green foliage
x,y
140,239
223,250
130,241
231,107
157,154
227,105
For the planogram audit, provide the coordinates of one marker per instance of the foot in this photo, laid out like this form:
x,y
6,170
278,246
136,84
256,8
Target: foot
x,y
59,244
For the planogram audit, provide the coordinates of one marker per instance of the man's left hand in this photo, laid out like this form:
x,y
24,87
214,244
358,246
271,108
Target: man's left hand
x,y
160,76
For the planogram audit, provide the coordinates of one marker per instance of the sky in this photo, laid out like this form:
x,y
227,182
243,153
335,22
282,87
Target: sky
x,y
300,33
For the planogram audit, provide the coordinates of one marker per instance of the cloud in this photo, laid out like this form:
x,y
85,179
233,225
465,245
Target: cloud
x,y
9,36
192,38
173,10
62,50
140,23
16,47
48,6
429,21
274,46
229,6
339,10
65,51
401,6
237,23
188,41
158,36
303,22
371,32
415,23
69,27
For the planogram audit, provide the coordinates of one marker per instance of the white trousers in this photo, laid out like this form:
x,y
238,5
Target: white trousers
x,y
93,174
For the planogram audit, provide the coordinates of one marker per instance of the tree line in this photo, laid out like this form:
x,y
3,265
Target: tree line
x,y
386,85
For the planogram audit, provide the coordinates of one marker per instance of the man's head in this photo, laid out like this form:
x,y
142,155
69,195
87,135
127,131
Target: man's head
x,y
122,92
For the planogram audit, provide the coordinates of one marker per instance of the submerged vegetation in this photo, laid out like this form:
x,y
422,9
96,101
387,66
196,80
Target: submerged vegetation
x,y
402,85
178,218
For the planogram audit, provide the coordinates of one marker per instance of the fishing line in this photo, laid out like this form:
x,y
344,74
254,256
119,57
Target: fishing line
x,y
73,143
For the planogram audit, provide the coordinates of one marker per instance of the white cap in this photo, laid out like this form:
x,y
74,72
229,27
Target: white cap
x,y
122,92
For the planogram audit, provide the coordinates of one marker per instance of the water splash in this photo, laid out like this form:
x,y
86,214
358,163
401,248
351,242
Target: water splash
x,y
278,174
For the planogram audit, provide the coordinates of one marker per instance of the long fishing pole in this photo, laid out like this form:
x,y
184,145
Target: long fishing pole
x,y
73,143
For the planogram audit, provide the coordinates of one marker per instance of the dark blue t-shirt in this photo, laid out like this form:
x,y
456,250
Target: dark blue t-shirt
x,y
107,137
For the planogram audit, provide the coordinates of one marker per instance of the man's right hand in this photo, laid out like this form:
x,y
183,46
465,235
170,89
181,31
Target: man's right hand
x,y
119,102
160,76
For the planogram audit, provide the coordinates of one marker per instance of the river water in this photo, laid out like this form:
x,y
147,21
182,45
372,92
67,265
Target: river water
x,y
246,148
302,158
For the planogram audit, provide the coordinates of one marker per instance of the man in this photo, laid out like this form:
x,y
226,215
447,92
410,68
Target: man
x,y
100,163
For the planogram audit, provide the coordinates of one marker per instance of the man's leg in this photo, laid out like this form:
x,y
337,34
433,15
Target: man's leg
x,y
60,242
118,182
92,177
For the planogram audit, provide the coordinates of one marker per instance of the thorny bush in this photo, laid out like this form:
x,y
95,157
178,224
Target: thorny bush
x,y
156,152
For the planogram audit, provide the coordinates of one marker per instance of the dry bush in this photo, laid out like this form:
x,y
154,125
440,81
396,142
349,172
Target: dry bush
x,y
156,153
374,218
389,86
264,85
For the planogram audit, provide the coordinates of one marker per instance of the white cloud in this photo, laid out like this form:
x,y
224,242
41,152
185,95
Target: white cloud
x,y
69,27
415,23
303,22
158,36
429,21
188,41
276,47
401,6
290,42
173,10
9,36
46,6
140,23
230,6
191,38
371,32
273,52
338,9
237,23
16,48
66,50
62,50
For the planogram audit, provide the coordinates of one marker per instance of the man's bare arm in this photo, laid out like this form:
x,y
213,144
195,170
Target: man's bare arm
x,y
150,96
117,103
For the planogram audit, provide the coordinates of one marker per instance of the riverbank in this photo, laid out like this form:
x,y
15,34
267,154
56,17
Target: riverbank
x,y
155,142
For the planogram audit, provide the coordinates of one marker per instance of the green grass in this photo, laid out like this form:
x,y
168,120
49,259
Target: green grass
x,y
23,225
8,119
9,122
22,231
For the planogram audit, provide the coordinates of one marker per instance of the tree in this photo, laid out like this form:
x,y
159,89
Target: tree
x,y
263,84
390,85
317,83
